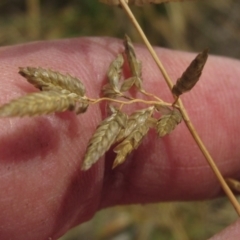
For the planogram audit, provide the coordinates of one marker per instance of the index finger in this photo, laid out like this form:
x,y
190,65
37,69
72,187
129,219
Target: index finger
x,y
41,157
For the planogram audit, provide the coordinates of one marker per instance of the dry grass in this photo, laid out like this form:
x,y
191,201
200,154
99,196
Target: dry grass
x,y
186,26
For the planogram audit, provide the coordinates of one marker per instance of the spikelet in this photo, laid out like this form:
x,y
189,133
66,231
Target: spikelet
x,y
81,106
134,121
134,64
109,92
127,84
168,122
103,138
40,103
115,71
111,89
137,2
192,74
122,151
152,122
132,142
47,80
136,128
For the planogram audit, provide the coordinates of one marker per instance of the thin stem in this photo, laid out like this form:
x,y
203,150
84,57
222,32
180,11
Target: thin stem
x,y
209,159
151,95
145,40
94,101
188,123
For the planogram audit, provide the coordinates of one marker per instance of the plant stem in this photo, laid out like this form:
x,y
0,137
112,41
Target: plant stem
x,y
94,101
188,123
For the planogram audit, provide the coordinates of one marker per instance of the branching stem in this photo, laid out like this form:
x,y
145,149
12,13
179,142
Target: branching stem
x,y
183,111
151,95
137,100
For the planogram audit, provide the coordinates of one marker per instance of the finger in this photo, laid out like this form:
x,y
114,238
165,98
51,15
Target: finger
x,y
173,168
41,157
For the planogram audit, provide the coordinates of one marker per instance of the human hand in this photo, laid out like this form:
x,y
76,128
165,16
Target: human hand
x,y
43,192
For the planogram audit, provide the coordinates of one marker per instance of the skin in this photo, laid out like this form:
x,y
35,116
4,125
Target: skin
x,y
43,192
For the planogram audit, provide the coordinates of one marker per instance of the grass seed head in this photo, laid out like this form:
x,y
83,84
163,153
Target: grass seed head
x,y
40,103
48,80
192,74
168,122
132,142
103,138
134,120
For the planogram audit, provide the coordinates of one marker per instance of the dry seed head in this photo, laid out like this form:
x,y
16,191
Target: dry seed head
x,y
122,151
103,138
137,136
109,92
131,142
115,71
134,64
152,122
139,83
168,122
111,89
192,74
127,84
135,120
81,106
38,104
47,80
129,48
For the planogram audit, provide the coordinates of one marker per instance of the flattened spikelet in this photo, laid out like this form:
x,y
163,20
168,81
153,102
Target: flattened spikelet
x,y
111,89
192,74
103,138
115,71
122,150
38,104
47,80
81,106
137,2
109,92
134,64
135,120
168,122
127,84
130,143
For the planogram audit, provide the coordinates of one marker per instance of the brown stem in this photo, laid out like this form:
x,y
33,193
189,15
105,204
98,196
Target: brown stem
x,y
94,101
188,123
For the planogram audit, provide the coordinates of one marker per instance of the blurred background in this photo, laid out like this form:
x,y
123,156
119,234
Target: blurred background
x,y
190,26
